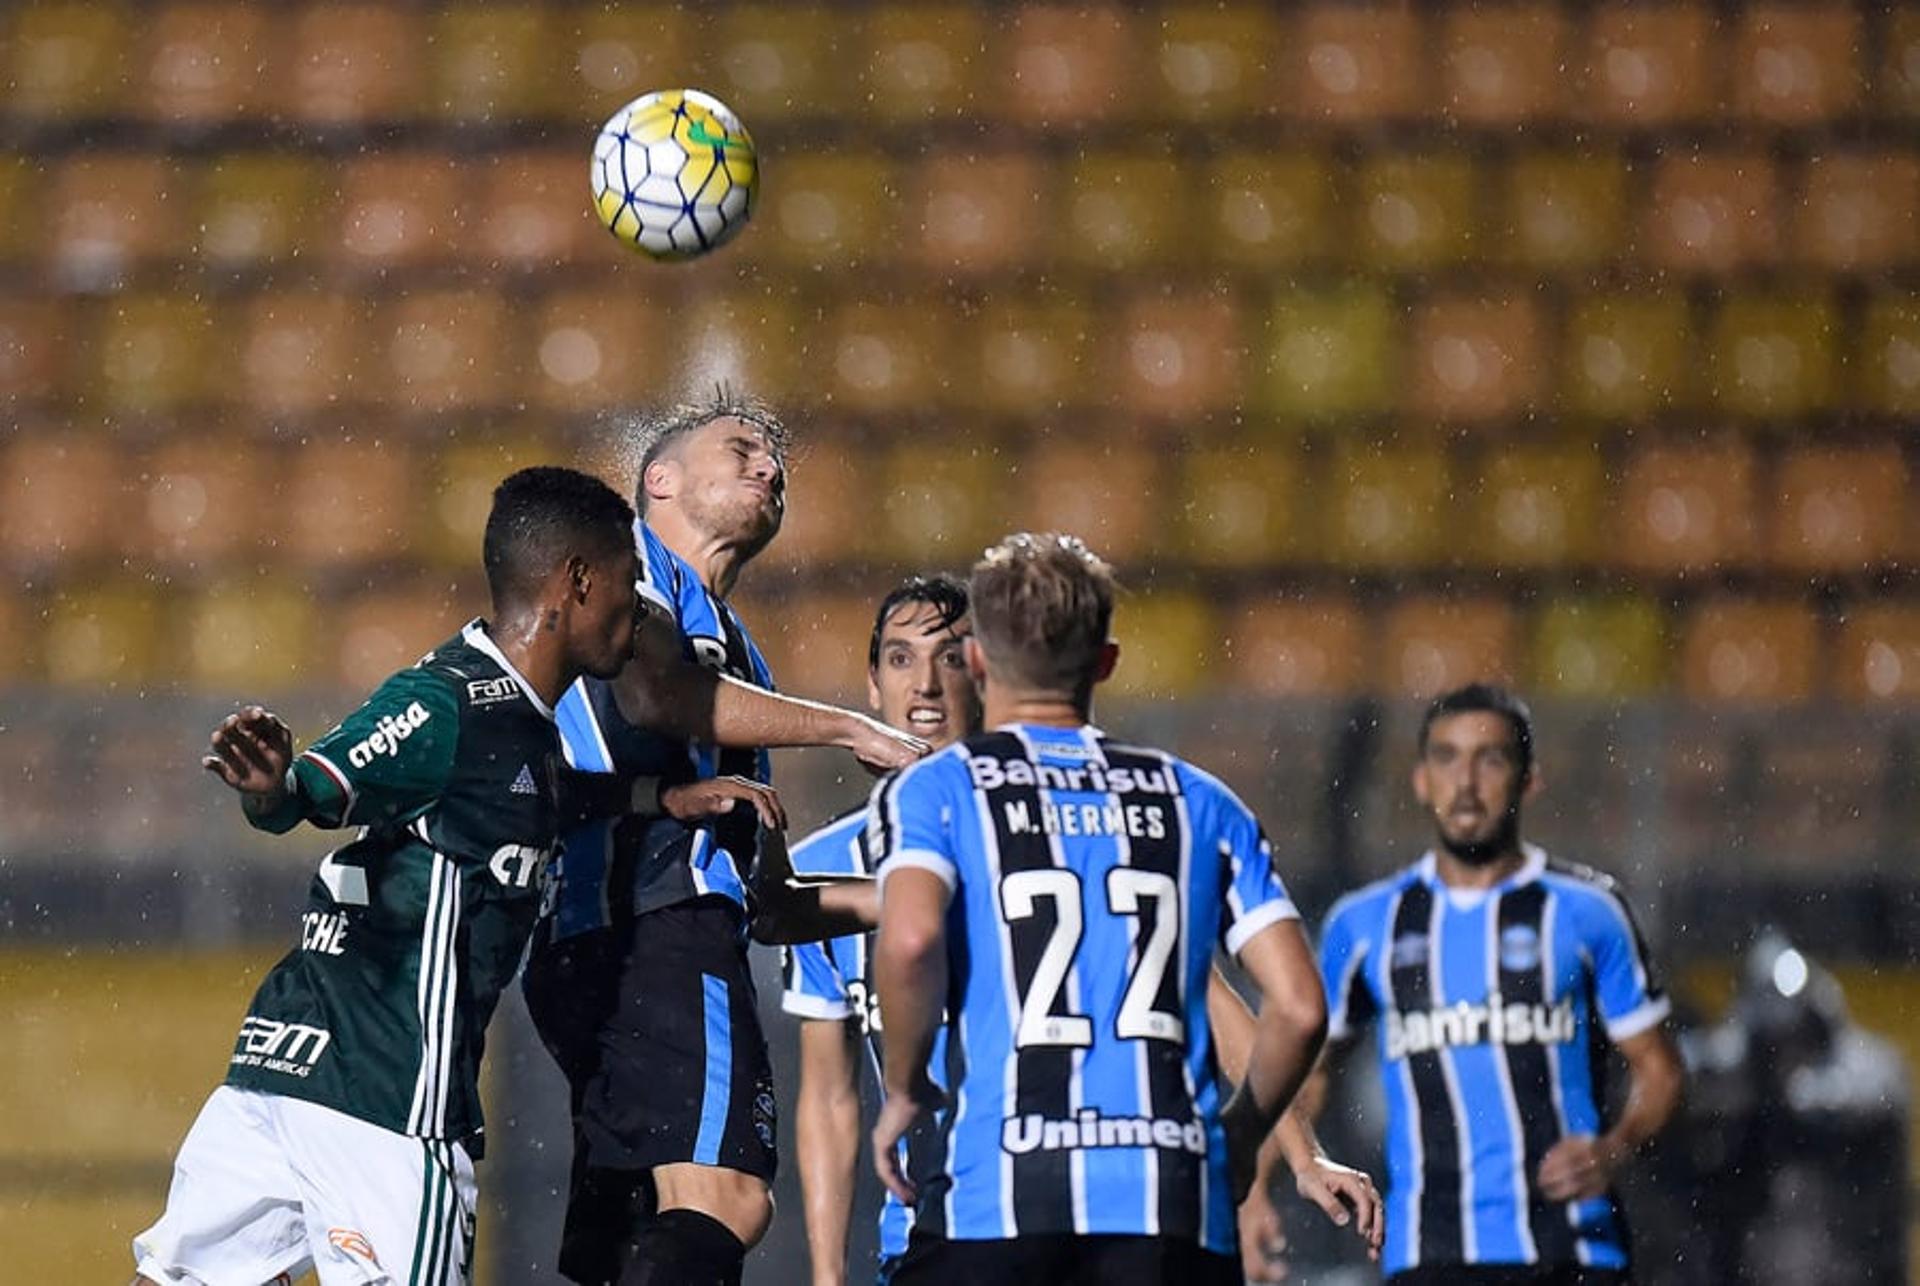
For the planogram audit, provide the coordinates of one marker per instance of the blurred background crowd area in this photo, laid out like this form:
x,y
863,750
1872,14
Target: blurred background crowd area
x,y
1381,346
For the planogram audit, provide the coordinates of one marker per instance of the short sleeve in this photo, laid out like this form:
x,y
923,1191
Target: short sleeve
x,y
910,824
1343,972
1255,896
387,761
1629,993
813,985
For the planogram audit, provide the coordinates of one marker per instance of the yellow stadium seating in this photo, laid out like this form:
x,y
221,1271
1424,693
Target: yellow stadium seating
x,y
204,502
19,625
1627,355
1503,65
205,64
972,212
104,638
884,356
1686,509
774,61
1294,647
1898,78
300,351
443,350
67,61
1101,491
1773,356
1168,643
1859,211
939,504
451,514
1887,376
829,480
1122,212
398,209
612,54
1564,210
354,64
1797,64
1030,354
492,64
1063,64
153,353
1415,211
107,214
1269,210
533,219
1332,352
348,503
36,336
1750,650
754,343
255,209
819,648
1207,63
393,625
1648,65
1839,509
1539,507
255,637
1475,358
594,347
1877,654
1387,509
1431,644
60,498
829,209
923,60
1712,212
1598,648
21,210
1349,64
1177,355
1240,505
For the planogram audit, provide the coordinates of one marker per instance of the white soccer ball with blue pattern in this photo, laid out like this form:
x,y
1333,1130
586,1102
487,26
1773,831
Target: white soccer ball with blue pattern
x,y
674,174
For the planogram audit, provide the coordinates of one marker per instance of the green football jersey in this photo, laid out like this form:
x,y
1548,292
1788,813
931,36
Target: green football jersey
x,y
413,928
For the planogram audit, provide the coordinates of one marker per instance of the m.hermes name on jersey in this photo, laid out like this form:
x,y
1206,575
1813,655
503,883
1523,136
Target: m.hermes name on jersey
x,y
1133,821
1495,1023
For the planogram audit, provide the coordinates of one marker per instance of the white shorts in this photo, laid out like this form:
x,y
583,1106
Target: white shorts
x,y
266,1185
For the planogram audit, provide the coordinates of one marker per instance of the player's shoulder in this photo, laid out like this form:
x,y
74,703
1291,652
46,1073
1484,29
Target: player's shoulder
x,y
469,669
1361,908
833,849
1587,888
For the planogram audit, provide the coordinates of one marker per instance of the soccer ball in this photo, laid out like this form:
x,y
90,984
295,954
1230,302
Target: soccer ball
x,y
674,174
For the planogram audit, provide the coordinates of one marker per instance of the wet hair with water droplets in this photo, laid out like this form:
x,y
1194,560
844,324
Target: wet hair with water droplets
x,y
1042,606
543,516
660,435
943,593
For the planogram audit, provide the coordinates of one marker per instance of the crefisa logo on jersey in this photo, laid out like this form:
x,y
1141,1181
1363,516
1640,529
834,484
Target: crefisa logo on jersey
x,y
1494,1023
387,734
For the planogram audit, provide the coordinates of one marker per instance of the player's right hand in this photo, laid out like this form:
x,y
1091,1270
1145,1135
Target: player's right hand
x,y
898,1114
696,801
1338,1189
251,752
881,749
1263,1239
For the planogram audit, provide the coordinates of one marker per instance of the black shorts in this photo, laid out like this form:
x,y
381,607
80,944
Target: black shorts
x,y
1064,1258
1510,1275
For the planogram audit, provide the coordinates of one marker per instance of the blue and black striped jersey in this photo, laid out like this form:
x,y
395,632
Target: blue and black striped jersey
x,y
1493,1012
668,863
1091,883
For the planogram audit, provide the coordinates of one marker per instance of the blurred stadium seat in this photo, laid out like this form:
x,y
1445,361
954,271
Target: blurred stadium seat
x,y
1898,77
1503,65
1627,355
612,54
108,213
1750,650
594,347
36,340
249,637
299,351
451,515
884,356
1177,355
204,502
382,629
1064,65
66,62
1476,358
1563,210
923,60
532,218
973,212
818,646
1859,211
755,344
1240,505
1168,641
61,497
258,209
830,478
1796,64
1415,211
1712,212
1122,211
1772,356
1031,355
938,504
1388,508
1539,506
1431,644
1821,799
1209,64
22,220
1888,368
1332,352
1103,492
153,353
1602,648
1283,646
1877,653
348,503
354,65
1648,65
101,637
443,350
206,64
1270,209
398,209
783,61
1353,65
1686,509
492,64
829,209
1839,510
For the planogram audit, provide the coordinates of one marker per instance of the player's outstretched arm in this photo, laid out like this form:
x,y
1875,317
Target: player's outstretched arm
x,y
793,908
252,751
827,1129
910,974
1583,1165
1288,1033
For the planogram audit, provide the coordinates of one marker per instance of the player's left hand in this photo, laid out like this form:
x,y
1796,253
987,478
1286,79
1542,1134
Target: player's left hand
x,y
251,752
1344,1193
1263,1239
898,1115
1577,1167
881,749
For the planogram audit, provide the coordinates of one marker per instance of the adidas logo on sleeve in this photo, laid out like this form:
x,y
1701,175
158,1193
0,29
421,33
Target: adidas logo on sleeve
x,y
523,784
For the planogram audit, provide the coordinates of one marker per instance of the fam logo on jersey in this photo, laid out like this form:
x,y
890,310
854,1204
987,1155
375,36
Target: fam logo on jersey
x,y
1088,1129
290,1048
353,1242
1494,1023
489,692
388,733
